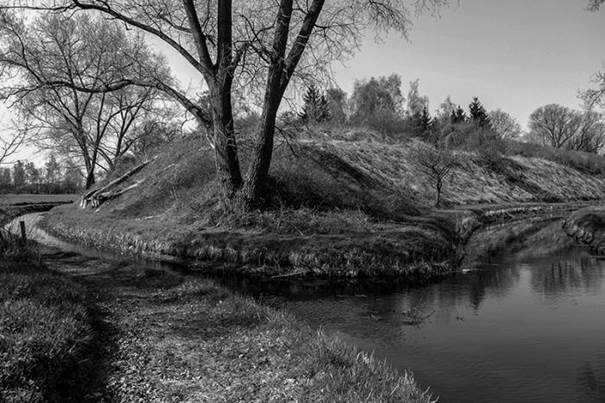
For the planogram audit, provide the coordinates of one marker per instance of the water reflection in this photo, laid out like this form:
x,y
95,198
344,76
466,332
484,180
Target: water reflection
x,y
592,377
529,329
523,329
567,275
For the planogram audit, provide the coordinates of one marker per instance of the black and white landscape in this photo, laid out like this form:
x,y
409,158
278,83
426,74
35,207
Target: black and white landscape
x,y
302,201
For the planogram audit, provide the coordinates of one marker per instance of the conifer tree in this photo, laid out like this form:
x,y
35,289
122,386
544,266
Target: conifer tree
x,y
458,115
478,113
315,109
423,122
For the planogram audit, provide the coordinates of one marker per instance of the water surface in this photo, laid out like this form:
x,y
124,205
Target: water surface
x,y
529,330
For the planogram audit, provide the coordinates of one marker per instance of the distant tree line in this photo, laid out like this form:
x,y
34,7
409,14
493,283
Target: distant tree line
x,y
53,177
379,104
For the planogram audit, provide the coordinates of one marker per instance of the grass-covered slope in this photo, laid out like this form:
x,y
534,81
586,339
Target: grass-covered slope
x,y
334,207
324,216
513,179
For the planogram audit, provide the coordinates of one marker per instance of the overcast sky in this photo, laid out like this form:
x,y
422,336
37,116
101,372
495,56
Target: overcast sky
x,y
515,55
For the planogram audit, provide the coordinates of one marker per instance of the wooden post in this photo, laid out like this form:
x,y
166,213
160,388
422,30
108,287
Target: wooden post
x,y
23,234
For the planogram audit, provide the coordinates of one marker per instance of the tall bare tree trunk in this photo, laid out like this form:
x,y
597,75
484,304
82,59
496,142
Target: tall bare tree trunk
x,y
225,146
281,70
277,81
90,178
263,147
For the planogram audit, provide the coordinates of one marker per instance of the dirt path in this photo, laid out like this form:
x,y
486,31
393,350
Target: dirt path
x,y
163,336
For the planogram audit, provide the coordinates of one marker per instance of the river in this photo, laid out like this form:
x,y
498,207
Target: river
x,y
527,326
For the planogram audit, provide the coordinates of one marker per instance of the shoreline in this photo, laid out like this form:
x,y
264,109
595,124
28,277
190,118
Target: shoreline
x,y
469,220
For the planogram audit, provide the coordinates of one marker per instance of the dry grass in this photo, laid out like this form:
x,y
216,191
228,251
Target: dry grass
x,y
181,339
44,326
333,207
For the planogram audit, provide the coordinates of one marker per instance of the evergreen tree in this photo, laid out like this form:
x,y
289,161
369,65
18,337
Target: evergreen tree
x,y
423,122
315,109
458,115
478,113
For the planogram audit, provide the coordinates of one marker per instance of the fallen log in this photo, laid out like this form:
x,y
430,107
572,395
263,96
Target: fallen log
x,y
92,197
103,197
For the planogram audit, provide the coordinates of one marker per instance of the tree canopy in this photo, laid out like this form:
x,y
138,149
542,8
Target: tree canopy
x,y
258,46
39,56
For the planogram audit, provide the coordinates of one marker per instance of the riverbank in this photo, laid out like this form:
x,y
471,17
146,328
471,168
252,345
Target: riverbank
x,y
12,206
587,226
337,209
161,336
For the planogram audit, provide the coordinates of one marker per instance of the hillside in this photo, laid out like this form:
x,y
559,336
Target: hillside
x,y
334,207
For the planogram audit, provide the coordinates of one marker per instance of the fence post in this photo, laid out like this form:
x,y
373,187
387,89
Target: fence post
x,y
23,234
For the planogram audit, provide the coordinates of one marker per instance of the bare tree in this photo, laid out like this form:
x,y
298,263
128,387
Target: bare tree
x,y
436,163
503,124
10,143
52,61
562,127
554,125
595,96
248,42
590,136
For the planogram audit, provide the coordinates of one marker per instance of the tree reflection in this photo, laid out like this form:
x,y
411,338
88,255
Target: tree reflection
x,y
552,278
593,380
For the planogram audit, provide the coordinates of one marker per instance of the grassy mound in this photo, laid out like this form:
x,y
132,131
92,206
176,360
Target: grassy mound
x,y
44,325
324,215
333,207
513,179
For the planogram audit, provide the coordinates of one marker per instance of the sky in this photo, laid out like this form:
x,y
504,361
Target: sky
x,y
516,55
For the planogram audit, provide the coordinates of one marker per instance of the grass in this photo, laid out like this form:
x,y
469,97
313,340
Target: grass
x,y
184,339
333,208
323,216
165,337
44,326
588,163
